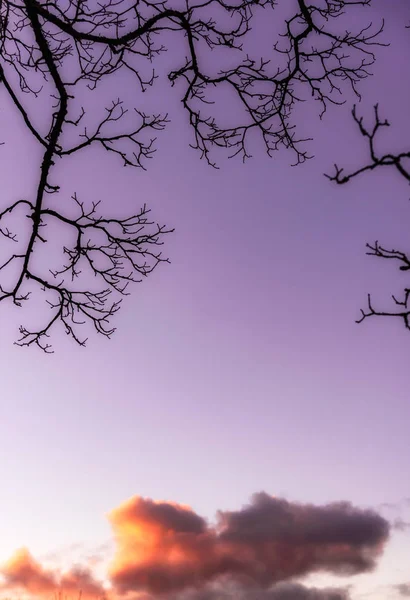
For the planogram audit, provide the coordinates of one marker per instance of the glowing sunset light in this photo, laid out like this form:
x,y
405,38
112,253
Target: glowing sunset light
x,y
215,427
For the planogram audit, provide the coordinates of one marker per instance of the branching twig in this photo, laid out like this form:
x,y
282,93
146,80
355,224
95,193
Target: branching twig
x,y
54,51
401,308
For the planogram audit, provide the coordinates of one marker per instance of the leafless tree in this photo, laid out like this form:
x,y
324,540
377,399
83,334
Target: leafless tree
x,y
400,162
56,48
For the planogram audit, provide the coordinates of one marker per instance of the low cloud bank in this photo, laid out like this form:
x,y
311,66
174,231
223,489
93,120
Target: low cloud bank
x,y
165,550
163,547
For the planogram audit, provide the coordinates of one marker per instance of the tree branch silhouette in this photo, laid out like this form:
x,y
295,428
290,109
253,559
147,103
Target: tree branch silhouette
x,y
54,49
400,307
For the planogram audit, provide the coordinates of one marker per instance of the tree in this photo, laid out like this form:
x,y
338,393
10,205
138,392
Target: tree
x,y
398,161
56,49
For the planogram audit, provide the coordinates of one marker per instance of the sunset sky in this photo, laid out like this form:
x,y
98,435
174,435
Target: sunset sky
x,y
239,426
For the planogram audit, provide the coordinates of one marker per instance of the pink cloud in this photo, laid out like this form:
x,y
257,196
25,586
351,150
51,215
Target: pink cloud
x,y
164,548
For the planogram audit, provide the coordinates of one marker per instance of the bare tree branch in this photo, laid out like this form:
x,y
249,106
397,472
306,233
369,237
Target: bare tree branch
x,y
377,160
54,50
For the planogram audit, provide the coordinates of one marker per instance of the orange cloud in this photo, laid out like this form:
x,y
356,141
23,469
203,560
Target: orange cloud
x,y
152,536
23,572
164,548
167,551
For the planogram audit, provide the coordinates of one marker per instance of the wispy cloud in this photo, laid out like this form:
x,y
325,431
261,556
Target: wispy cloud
x,y
401,508
403,589
22,571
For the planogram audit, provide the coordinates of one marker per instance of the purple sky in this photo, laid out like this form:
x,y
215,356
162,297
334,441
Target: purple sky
x,y
237,368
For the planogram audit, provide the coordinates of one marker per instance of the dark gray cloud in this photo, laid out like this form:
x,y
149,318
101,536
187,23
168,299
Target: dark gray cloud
x,y
280,591
164,548
269,518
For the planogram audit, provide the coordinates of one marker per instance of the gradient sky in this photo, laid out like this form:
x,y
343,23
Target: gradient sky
x,y
239,367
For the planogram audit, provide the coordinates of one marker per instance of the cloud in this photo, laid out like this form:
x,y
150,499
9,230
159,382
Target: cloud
x,y
22,571
164,548
166,551
281,591
403,589
400,524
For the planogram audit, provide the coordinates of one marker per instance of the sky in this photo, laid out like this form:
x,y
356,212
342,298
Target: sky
x,y
238,405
